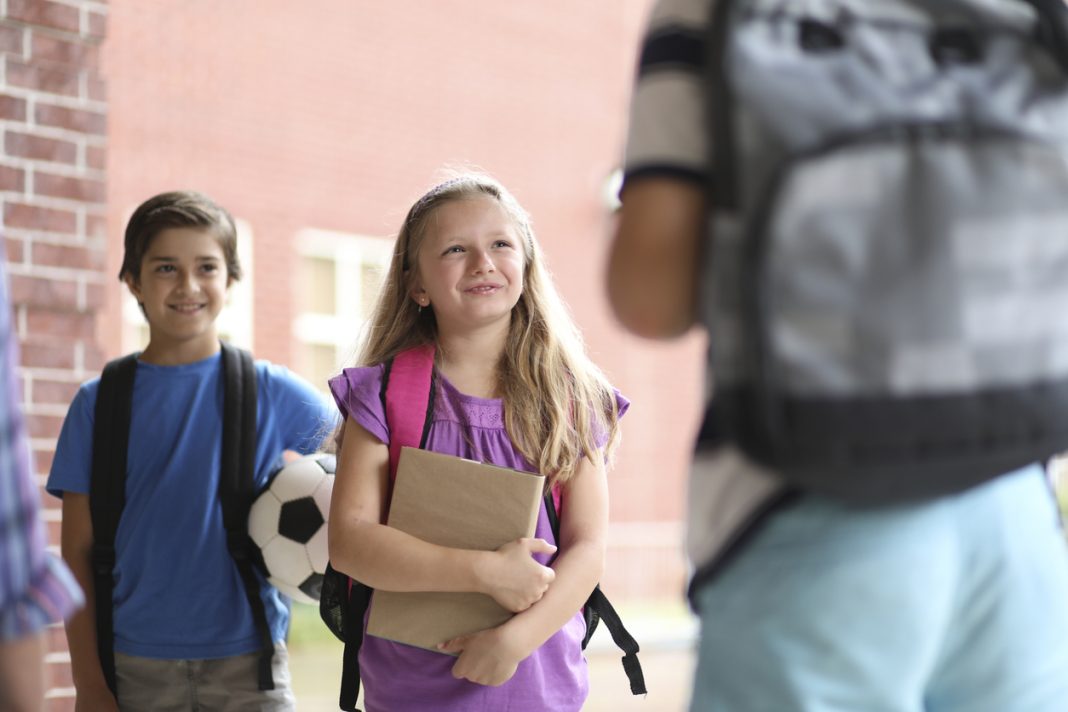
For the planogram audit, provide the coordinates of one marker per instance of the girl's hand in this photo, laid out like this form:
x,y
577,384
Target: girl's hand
x,y
514,579
489,657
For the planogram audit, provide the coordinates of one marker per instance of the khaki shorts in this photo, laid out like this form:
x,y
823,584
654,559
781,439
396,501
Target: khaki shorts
x,y
218,685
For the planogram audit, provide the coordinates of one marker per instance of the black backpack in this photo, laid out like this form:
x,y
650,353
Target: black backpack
x,y
107,492
344,601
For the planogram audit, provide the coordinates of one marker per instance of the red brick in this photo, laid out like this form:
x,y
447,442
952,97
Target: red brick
x,y
53,49
33,217
98,88
16,250
45,77
43,292
58,674
93,360
45,13
58,703
47,354
11,39
95,296
43,458
40,148
54,531
89,122
57,637
12,108
53,392
44,426
69,187
98,25
65,325
74,257
96,157
12,178
96,227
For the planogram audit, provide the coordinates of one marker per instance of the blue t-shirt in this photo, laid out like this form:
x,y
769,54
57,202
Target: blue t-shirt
x,y
178,594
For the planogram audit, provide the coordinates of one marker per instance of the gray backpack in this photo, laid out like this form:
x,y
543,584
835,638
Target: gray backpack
x,y
887,275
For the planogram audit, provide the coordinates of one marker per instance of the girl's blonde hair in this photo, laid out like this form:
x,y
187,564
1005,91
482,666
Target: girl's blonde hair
x,y
556,401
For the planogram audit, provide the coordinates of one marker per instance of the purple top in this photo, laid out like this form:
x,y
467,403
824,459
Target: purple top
x,y
402,678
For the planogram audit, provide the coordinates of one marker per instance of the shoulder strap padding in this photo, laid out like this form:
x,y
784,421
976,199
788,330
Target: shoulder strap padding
x,y
408,400
237,488
107,494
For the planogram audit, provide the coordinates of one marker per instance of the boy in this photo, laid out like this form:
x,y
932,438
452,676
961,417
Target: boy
x,y
184,636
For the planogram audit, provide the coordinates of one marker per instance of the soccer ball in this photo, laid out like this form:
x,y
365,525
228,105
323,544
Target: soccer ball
x,y
288,524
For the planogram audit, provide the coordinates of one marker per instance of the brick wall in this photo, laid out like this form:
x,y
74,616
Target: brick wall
x,y
53,110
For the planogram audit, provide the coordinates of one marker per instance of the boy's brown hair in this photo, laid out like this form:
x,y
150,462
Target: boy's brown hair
x,y
176,209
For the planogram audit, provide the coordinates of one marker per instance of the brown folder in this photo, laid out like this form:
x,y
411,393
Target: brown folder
x,y
461,504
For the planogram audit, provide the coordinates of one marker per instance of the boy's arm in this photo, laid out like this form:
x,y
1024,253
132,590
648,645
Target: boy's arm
x,y
388,559
655,256
490,657
76,544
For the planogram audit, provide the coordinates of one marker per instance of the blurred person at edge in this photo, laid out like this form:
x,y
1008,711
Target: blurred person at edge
x,y
955,604
35,587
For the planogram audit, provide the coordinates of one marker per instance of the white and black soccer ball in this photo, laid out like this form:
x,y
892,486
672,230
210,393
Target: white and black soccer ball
x,y
288,524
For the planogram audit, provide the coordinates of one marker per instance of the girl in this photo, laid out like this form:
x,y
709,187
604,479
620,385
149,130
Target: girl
x,y
515,389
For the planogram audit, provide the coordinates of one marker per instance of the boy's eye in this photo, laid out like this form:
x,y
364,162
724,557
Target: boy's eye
x,y
210,267
165,269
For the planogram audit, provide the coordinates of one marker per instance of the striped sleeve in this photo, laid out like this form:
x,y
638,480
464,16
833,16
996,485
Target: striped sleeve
x,y
667,134
35,588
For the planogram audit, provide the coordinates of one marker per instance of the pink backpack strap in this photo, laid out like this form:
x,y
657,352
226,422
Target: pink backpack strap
x,y
408,400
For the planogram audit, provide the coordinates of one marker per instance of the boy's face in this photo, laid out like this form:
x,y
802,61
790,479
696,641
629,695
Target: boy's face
x,y
182,288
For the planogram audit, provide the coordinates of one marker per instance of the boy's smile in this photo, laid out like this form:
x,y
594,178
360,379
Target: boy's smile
x,y
182,288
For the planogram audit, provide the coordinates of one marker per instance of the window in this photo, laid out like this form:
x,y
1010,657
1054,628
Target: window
x,y
338,279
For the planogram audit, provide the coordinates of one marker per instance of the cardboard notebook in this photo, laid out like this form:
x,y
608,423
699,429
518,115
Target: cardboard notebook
x,y
458,503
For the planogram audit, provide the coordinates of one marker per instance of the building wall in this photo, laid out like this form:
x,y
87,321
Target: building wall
x,y
328,118
335,115
53,110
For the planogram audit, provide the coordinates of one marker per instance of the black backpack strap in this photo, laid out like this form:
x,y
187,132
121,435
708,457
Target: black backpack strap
x,y
598,608
107,495
359,595
236,487
359,598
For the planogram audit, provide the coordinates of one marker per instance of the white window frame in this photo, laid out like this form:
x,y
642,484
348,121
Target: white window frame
x,y
349,253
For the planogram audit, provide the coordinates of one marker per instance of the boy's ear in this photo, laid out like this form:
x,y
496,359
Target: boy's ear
x,y
134,286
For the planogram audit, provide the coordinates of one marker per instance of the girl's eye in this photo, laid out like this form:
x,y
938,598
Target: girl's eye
x,y
165,269
453,250
502,243
210,267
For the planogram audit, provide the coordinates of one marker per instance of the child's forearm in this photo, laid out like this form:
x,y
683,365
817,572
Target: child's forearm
x,y
578,569
386,558
81,634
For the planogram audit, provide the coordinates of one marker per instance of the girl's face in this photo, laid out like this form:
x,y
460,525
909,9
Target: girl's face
x,y
470,265
182,287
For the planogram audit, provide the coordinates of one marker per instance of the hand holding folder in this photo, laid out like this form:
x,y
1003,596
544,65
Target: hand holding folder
x,y
461,504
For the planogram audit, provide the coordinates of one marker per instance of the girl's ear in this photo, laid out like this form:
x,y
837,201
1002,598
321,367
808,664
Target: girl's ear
x,y
419,296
